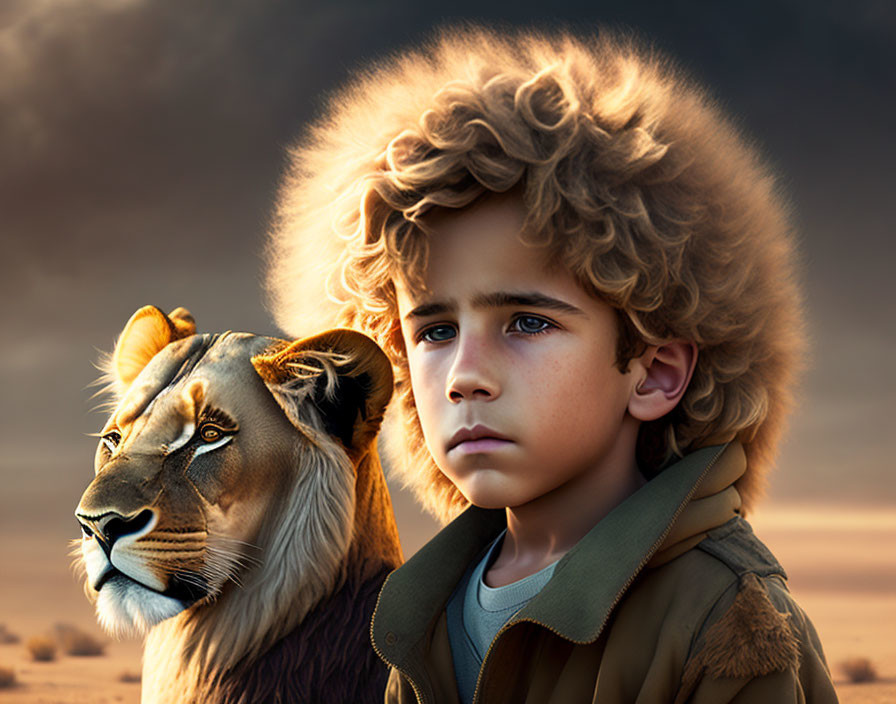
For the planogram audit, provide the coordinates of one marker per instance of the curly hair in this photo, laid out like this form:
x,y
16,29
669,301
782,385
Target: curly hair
x,y
630,176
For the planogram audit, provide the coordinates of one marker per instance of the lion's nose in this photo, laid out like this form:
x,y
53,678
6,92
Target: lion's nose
x,y
110,526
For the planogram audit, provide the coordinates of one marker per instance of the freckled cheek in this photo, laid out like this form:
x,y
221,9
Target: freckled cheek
x,y
427,379
556,403
546,380
428,386
563,395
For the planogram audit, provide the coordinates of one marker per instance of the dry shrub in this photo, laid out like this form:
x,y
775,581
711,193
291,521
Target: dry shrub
x,y
7,677
73,641
6,637
859,670
41,648
128,676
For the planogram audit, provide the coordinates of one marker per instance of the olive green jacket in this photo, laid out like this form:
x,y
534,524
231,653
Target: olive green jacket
x,y
669,599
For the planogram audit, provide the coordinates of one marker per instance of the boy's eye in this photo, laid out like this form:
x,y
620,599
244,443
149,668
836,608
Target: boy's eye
x,y
531,324
437,333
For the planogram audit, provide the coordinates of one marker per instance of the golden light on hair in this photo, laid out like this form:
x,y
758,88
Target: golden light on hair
x,y
631,178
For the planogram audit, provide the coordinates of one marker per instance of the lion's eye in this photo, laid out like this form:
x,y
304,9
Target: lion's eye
x,y
210,433
111,440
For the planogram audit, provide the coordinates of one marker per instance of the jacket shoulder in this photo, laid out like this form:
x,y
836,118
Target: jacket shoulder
x,y
749,631
696,588
755,629
737,547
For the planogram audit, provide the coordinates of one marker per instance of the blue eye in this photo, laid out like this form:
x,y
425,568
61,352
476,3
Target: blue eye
x,y
531,324
437,333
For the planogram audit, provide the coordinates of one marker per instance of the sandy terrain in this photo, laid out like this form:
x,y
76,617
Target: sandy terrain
x,y
842,570
74,680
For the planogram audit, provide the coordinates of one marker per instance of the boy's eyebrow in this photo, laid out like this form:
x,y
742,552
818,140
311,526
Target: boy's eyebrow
x,y
498,299
502,299
427,309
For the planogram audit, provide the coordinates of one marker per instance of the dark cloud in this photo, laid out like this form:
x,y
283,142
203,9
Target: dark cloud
x,y
142,143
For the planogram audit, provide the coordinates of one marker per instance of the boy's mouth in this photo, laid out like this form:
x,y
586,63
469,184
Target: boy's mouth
x,y
479,438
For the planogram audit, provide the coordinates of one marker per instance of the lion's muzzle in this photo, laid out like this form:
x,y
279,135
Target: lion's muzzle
x,y
108,527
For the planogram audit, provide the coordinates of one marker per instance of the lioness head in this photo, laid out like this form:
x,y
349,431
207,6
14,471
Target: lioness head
x,y
216,439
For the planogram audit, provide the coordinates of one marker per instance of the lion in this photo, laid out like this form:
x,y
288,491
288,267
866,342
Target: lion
x,y
239,515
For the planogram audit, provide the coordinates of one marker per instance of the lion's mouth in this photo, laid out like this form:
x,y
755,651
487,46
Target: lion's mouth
x,y
106,575
187,588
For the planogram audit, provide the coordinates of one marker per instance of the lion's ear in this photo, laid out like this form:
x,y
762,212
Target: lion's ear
x,y
145,334
344,373
183,322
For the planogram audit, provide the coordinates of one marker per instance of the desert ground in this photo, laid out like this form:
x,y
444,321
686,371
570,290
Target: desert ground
x,y
841,564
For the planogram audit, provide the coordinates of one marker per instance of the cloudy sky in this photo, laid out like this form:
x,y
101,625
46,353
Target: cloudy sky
x,y
141,144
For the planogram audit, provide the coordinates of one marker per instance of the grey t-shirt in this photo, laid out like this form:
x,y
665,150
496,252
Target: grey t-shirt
x,y
476,612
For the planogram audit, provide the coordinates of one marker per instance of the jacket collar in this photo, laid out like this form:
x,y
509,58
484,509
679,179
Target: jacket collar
x,y
589,580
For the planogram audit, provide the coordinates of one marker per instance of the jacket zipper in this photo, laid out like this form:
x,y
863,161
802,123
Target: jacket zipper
x,y
644,560
417,692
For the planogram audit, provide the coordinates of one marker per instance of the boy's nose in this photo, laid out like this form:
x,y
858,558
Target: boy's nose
x,y
472,375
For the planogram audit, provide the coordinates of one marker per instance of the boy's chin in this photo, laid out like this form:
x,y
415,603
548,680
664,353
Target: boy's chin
x,y
492,491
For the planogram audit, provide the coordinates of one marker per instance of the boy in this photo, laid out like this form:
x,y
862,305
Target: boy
x,y
583,278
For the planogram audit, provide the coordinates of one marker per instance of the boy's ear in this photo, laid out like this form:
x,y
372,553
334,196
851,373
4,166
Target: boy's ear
x,y
665,372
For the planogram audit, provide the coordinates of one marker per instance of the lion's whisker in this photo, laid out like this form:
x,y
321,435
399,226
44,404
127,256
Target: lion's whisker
x,y
235,541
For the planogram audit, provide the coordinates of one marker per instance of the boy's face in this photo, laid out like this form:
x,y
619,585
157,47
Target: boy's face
x,y
511,363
